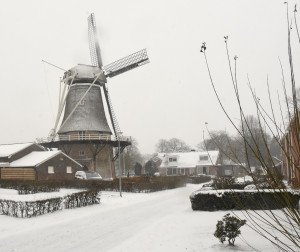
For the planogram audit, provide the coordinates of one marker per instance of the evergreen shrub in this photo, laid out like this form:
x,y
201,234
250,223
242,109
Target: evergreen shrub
x,y
243,200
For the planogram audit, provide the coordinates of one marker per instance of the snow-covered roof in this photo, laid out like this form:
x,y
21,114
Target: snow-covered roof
x,y
190,159
6,150
34,158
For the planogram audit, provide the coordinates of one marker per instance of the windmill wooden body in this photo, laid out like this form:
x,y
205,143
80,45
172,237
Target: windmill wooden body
x,y
84,133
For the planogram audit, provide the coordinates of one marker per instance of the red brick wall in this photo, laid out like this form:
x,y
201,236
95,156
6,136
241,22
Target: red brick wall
x,y
104,164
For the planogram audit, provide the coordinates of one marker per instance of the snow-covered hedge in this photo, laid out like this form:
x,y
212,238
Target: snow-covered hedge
x,y
29,187
239,199
27,209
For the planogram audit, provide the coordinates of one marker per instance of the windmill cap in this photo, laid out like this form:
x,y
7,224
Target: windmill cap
x,y
85,73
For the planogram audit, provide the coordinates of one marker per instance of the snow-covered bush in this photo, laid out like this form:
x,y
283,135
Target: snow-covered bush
x,y
229,227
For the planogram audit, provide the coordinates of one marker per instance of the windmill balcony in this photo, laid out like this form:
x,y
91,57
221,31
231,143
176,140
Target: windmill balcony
x,y
84,137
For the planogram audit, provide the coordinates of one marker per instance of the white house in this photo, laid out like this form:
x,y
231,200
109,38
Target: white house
x,y
189,163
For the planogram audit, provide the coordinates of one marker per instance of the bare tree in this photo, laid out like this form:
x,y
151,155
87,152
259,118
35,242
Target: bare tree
x,y
172,145
229,146
131,156
255,142
282,228
162,146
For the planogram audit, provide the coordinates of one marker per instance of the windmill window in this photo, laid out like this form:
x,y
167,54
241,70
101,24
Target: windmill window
x,y
172,159
81,135
50,169
69,169
81,153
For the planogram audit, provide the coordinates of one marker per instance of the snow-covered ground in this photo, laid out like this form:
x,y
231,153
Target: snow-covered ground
x,y
161,221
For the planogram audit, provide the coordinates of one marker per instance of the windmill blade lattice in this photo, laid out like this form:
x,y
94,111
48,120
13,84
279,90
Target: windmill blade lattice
x,y
93,42
127,63
113,117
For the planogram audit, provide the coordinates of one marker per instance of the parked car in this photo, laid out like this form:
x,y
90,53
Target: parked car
x,y
250,187
87,175
207,187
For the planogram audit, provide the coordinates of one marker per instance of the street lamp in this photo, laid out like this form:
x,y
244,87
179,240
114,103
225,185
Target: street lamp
x,y
119,165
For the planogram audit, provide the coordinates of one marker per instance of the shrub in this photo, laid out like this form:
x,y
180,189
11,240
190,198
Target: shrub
x,y
228,183
229,227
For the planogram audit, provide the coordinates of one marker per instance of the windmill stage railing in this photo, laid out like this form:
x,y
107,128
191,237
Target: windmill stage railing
x,y
86,137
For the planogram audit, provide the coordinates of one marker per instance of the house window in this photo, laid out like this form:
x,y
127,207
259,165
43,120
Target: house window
x,y
69,169
174,171
228,172
203,158
50,169
81,135
172,159
204,170
182,171
81,153
169,171
199,170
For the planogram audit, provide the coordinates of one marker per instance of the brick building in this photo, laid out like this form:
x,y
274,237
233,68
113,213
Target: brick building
x,y
29,161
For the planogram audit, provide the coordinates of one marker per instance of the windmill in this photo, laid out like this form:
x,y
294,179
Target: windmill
x,y
84,132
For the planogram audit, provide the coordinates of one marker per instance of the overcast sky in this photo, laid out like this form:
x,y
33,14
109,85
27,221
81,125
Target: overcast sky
x,y
170,97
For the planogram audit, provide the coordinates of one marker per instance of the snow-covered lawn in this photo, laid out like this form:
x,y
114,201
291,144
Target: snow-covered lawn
x,y
160,221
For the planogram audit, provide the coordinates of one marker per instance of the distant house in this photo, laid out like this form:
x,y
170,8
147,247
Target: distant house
x,y
189,163
230,168
29,161
291,153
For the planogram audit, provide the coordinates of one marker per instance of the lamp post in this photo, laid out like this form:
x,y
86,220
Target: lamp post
x,y
119,165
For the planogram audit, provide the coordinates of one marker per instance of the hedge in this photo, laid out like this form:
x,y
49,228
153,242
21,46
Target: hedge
x,y
243,200
135,184
29,209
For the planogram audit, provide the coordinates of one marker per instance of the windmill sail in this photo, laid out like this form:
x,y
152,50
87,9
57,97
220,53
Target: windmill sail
x,y
93,42
112,115
127,63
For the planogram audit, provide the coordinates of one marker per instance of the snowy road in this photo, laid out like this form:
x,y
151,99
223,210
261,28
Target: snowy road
x,y
161,221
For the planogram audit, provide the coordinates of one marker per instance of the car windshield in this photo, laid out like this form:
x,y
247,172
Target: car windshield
x,y
92,175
